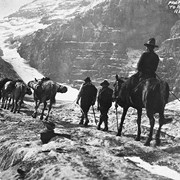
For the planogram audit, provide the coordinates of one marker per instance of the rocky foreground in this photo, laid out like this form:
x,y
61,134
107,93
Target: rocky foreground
x,y
84,153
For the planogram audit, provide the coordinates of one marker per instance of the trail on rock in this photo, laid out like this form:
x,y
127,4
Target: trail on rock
x,y
88,153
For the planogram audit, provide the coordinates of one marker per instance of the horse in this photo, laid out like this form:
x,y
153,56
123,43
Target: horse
x,y
6,93
18,94
151,94
44,90
2,82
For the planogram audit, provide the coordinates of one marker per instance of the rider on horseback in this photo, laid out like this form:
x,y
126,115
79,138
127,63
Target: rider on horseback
x,y
148,61
146,67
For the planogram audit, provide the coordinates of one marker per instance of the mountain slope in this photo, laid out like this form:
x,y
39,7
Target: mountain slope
x,y
6,70
92,38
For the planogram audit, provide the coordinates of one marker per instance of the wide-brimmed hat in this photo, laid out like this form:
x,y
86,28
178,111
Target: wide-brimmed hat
x,y
105,83
151,42
87,79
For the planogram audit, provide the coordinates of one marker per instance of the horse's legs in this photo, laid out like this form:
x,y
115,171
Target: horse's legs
x,y
45,104
152,122
19,106
36,108
158,141
100,122
139,112
86,119
82,118
16,105
9,103
2,102
12,105
125,109
5,102
161,122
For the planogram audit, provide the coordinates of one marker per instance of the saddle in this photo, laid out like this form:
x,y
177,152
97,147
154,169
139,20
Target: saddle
x,y
38,85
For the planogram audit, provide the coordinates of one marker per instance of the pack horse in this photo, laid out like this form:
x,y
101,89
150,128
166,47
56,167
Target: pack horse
x,y
44,90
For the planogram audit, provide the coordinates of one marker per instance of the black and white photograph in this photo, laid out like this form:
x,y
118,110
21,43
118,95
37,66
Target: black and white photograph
x,y
89,89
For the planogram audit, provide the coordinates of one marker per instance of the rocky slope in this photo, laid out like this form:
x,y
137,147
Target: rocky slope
x,y
6,70
170,52
94,38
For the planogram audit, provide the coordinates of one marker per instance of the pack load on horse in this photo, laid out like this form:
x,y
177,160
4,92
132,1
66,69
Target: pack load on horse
x,y
143,90
104,101
44,90
87,97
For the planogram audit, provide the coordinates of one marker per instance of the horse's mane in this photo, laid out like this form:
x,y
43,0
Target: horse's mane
x,y
18,80
45,79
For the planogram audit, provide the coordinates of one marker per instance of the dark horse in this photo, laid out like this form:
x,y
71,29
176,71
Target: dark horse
x,y
17,95
2,83
14,90
44,90
151,94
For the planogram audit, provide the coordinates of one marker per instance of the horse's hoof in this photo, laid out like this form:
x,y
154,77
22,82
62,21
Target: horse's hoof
x,y
118,134
81,122
33,115
158,142
167,121
137,139
147,144
105,129
46,119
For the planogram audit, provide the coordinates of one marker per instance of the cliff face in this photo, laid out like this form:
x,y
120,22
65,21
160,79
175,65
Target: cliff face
x,y
170,53
97,41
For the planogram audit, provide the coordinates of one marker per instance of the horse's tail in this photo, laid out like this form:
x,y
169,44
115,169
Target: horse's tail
x,y
53,94
53,99
164,92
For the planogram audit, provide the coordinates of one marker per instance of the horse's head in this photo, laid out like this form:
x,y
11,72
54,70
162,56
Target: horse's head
x,y
62,89
117,86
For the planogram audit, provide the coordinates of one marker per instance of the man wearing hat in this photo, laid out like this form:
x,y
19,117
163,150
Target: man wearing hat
x,y
146,66
104,100
148,61
87,97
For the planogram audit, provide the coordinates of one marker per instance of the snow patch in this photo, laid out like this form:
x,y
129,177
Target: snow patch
x,y
155,169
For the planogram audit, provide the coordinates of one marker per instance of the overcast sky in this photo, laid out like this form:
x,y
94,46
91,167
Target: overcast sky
x,y
7,7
